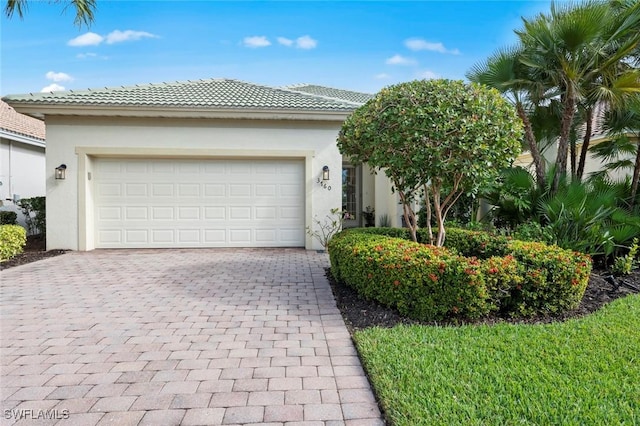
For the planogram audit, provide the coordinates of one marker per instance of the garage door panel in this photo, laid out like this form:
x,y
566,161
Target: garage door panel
x,y
109,213
215,236
109,190
136,236
240,236
162,213
199,203
136,213
110,236
188,213
215,213
240,213
162,189
188,236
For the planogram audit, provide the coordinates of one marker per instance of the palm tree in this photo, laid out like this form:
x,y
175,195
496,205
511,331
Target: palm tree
x,y
612,83
503,72
84,10
623,125
574,44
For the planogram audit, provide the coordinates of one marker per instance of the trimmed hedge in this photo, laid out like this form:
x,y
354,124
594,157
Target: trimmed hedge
x,y
422,282
476,274
12,241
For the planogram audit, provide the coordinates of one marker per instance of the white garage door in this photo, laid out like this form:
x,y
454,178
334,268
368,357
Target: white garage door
x,y
198,203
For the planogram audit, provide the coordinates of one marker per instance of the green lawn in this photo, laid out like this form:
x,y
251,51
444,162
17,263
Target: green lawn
x,y
582,372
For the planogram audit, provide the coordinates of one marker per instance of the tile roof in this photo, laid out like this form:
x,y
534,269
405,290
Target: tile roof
x,y
20,124
331,93
212,93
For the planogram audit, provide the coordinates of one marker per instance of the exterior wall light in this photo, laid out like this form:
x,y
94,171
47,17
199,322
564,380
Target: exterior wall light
x,y
325,173
61,171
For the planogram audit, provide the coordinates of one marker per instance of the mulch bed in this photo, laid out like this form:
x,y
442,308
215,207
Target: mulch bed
x,y
359,313
34,250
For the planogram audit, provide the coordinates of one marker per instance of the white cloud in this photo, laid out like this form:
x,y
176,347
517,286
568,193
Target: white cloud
x,y
256,41
382,76
86,39
53,87
306,42
420,44
58,76
285,41
399,60
86,55
118,36
427,75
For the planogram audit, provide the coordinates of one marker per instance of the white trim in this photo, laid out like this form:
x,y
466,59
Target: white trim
x,y
40,110
29,140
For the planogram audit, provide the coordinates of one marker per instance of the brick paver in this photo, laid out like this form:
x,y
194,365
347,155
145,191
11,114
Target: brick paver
x,y
208,336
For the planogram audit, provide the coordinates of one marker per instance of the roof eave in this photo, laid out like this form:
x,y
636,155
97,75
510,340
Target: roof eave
x,y
40,110
22,138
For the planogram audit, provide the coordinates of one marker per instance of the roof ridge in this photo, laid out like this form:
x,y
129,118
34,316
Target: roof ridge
x,y
315,95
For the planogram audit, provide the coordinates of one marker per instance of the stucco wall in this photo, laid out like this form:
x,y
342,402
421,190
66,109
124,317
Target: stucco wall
x,y
66,136
22,170
591,165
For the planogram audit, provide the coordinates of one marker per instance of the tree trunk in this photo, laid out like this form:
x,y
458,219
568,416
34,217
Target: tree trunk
x,y
585,144
563,143
409,216
427,203
636,178
439,220
572,150
538,162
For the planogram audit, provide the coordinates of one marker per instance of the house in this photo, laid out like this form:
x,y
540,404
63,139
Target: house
x,y
207,163
593,164
22,158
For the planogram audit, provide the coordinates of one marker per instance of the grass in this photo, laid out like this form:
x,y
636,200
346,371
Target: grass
x,y
584,371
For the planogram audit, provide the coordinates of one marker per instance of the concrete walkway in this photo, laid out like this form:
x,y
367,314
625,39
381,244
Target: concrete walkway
x,y
192,337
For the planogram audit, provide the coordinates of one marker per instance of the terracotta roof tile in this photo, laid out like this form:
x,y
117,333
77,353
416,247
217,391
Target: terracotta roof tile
x,y
21,124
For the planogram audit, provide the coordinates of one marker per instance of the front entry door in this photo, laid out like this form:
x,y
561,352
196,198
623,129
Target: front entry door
x,y
351,196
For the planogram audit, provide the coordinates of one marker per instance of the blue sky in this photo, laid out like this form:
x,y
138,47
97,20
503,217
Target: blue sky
x,y
360,46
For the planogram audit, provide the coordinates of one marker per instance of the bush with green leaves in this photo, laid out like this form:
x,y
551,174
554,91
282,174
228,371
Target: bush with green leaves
x,y
623,265
8,218
514,277
420,281
12,241
596,217
34,210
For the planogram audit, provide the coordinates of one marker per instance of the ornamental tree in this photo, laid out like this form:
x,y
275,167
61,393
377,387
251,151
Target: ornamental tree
x,y
433,138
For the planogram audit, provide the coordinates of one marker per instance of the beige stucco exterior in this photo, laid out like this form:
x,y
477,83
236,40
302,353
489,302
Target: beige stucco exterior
x,y
21,168
592,163
77,141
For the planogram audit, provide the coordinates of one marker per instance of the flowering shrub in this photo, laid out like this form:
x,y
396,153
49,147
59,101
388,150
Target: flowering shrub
x,y
12,241
554,279
427,282
421,281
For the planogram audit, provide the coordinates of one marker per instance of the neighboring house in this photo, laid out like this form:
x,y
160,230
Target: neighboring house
x,y
22,158
208,163
592,163
22,142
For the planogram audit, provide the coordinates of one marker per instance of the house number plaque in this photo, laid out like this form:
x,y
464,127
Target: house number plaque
x,y
324,184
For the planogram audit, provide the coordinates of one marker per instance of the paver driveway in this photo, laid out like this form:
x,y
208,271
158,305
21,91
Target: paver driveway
x,y
207,336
